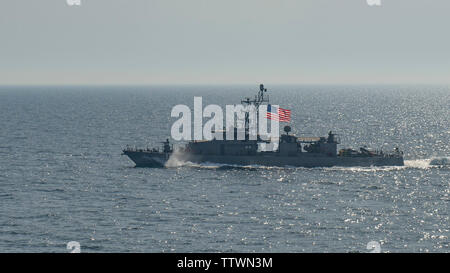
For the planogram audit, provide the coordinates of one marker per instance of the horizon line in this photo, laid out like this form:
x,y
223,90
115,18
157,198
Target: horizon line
x,y
212,84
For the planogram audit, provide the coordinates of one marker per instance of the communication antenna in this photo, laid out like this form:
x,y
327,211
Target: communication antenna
x,y
259,99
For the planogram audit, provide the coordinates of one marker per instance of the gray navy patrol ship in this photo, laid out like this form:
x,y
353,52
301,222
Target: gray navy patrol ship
x,y
291,151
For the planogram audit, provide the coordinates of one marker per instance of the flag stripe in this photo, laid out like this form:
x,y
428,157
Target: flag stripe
x,y
283,115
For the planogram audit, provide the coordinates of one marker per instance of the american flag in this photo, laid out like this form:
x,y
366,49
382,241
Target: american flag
x,y
278,113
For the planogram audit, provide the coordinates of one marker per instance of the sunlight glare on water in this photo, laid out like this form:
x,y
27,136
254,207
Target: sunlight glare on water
x,y
63,179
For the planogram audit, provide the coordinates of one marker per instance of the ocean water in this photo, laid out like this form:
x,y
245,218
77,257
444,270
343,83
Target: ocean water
x,y
62,176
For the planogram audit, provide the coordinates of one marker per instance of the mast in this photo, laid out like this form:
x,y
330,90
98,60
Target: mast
x,y
257,101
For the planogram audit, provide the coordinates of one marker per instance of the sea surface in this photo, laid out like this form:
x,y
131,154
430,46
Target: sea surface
x,y
63,178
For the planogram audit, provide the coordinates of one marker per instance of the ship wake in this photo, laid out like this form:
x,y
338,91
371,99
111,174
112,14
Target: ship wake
x,y
434,162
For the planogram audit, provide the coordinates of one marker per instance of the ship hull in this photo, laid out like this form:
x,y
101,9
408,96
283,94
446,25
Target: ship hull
x,y
146,159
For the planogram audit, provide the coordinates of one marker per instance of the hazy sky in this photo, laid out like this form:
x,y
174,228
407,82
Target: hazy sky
x,y
224,41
